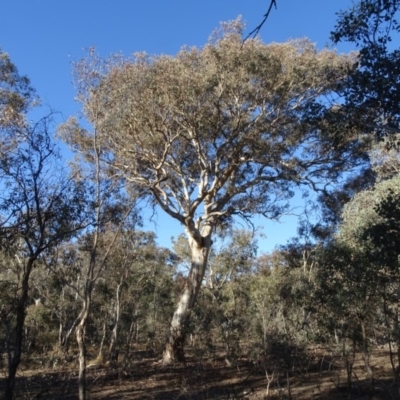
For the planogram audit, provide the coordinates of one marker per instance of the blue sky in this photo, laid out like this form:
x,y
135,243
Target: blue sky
x,y
42,37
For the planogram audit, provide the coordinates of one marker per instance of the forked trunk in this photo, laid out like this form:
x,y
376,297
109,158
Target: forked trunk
x,y
174,350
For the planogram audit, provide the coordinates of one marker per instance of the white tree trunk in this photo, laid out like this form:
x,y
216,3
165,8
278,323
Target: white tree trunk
x,y
174,350
80,338
113,351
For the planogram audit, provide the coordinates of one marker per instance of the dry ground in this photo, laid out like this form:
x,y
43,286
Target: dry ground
x,y
205,379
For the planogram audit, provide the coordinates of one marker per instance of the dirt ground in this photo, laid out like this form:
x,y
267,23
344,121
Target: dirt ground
x,y
200,379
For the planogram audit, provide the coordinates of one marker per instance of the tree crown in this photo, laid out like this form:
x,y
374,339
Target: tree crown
x,y
231,126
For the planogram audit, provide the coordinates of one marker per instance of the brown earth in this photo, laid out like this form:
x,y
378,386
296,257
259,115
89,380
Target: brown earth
x,y
201,379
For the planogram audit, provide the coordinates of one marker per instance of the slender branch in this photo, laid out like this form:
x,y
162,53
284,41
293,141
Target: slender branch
x,y
256,31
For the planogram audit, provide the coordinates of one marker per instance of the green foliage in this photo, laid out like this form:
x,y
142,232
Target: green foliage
x,y
227,129
230,126
372,94
368,212
16,97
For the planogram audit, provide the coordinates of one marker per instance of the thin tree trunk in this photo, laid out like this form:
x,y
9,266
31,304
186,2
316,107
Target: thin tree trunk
x,y
14,356
154,310
366,357
174,350
389,334
349,361
288,386
128,343
113,355
82,361
68,334
137,325
61,324
103,338
80,338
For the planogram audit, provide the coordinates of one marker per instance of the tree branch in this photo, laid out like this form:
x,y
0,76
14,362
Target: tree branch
x,y
255,31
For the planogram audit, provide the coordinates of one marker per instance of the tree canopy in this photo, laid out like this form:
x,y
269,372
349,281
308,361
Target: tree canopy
x,y
16,97
232,126
227,129
372,92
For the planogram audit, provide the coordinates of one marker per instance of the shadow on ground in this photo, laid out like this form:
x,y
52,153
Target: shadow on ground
x,y
199,380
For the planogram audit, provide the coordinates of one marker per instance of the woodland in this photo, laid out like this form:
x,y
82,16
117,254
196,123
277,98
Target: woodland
x,y
91,307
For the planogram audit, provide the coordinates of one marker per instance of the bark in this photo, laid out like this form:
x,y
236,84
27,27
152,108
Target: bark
x,y
60,318
366,357
63,333
137,331
113,353
80,338
65,339
14,356
386,313
174,350
349,362
128,344
82,361
103,338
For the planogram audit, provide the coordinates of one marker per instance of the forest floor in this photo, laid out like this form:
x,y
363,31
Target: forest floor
x,y
201,379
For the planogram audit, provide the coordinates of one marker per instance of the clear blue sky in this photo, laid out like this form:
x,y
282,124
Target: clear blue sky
x,y
42,37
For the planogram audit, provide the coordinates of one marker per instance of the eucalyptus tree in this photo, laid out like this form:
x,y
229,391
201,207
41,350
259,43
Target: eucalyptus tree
x,y
220,311
228,279
40,207
370,225
347,295
358,273
109,212
225,130
136,284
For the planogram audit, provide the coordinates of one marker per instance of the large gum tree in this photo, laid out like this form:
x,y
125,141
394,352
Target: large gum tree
x,y
213,132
